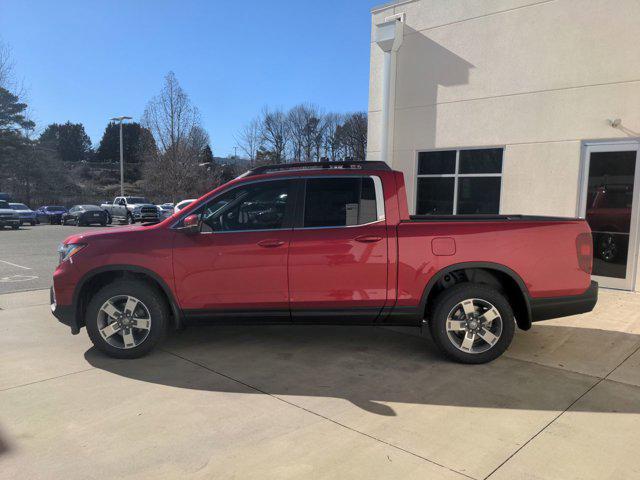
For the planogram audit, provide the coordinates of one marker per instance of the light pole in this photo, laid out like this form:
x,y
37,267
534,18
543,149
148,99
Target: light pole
x,y
120,120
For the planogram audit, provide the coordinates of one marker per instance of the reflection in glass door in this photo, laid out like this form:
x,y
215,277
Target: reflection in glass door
x,y
609,194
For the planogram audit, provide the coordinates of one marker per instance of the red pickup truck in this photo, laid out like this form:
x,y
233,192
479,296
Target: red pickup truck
x,y
324,243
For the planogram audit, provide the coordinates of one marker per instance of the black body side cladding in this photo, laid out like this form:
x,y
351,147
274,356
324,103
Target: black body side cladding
x,y
555,307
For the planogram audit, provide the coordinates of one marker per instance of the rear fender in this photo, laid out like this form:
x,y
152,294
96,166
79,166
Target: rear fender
x,y
524,322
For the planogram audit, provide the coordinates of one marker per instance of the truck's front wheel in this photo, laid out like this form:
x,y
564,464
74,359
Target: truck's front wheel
x,y
126,319
472,323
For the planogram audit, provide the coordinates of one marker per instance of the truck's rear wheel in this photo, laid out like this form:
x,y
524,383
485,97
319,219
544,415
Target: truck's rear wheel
x,y
472,323
126,319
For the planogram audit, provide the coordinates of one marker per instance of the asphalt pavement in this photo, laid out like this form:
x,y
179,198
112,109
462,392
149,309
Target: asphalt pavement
x,y
29,256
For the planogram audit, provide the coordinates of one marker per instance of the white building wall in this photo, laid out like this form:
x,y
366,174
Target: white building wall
x,y
537,77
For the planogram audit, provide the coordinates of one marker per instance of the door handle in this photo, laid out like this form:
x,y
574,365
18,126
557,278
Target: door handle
x,y
368,239
270,243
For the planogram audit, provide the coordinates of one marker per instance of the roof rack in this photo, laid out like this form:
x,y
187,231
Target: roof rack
x,y
319,166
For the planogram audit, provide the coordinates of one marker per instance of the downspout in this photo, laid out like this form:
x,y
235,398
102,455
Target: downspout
x,y
389,36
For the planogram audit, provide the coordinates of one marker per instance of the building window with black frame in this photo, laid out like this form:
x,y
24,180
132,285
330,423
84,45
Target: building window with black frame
x,y
459,182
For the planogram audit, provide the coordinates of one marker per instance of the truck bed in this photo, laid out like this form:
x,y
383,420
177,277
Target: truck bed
x,y
542,251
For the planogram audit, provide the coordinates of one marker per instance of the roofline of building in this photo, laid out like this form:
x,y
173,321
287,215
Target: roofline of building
x,y
387,5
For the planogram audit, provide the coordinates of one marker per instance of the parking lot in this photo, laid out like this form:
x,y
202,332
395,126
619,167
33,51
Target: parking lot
x,y
29,256
310,401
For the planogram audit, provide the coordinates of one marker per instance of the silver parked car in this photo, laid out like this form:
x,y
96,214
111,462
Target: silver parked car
x,y
165,210
8,216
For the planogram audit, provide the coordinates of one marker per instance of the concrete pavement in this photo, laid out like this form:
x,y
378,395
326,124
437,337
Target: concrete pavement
x,y
320,402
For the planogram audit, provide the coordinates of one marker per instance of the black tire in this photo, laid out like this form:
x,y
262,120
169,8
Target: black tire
x,y
445,304
15,227
149,296
33,224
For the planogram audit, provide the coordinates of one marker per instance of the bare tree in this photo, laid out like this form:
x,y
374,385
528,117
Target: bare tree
x,y
306,128
304,134
296,121
170,116
6,66
8,79
331,138
275,133
198,140
249,139
175,125
315,132
353,136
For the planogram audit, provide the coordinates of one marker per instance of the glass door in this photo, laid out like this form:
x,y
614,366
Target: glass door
x,y
609,202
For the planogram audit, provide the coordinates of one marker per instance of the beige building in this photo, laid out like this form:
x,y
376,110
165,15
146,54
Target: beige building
x,y
515,107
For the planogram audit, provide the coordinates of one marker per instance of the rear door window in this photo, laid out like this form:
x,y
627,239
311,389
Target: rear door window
x,y
339,202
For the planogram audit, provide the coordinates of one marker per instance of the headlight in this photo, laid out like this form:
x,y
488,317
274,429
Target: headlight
x,y
69,250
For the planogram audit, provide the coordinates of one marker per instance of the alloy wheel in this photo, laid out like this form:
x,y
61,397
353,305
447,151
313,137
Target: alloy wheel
x,y
474,326
124,321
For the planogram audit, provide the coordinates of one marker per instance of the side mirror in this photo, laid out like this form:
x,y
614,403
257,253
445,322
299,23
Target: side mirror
x,y
191,225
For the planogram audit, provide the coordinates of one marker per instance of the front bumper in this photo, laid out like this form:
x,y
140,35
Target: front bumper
x,y
28,218
555,307
64,313
54,219
9,222
146,217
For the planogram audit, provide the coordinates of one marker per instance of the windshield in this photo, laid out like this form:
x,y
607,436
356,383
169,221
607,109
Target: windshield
x,y
55,209
89,207
137,200
19,206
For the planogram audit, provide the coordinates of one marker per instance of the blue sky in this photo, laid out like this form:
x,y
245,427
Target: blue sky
x,y
86,61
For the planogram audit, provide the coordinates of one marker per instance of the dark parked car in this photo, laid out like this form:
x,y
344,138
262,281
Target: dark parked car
x,y
50,214
25,213
81,215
